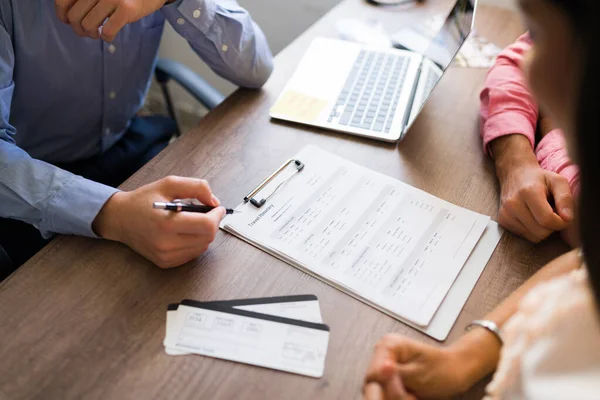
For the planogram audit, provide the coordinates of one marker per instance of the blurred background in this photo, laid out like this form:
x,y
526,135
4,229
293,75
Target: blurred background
x,y
292,18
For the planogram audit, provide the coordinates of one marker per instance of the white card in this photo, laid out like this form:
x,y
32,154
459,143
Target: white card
x,y
302,310
251,338
301,307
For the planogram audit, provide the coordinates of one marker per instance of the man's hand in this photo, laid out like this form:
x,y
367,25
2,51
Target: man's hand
x,y
87,16
168,239
529,194
404,369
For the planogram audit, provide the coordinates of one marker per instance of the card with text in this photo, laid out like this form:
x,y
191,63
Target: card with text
x,y
302,307
283,333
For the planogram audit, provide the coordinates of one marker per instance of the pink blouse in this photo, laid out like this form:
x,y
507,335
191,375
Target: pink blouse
x,y
507,107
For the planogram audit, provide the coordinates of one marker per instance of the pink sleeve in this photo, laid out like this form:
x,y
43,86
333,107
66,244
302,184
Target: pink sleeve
x,y
552,155
507,106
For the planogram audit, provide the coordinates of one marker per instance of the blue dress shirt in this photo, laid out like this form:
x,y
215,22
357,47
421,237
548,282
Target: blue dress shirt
x,y
65,98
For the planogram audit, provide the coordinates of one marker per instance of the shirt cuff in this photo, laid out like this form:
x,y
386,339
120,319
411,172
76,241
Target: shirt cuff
x,y
74,207
199,14
553,156
505,124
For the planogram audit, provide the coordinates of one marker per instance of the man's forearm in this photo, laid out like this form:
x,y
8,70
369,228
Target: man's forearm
x,y
225,37
512,151
53,200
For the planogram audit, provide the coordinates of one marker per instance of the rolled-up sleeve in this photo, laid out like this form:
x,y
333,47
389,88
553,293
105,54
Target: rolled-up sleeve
x,y
552,154
507,105
224,35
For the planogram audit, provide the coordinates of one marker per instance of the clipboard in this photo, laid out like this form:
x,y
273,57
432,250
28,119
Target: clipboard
x,y
455,298
299,166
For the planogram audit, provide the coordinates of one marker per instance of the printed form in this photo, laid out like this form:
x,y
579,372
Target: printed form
x,y
383,241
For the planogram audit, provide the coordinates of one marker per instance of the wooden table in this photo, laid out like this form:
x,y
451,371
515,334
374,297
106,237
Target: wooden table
x,y
85,318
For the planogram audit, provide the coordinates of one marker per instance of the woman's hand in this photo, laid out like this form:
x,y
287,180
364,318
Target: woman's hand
x,y
422,370
403,368
393,388
375,391
406,369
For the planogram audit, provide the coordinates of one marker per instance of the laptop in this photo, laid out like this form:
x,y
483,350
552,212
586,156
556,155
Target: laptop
x,y
368,91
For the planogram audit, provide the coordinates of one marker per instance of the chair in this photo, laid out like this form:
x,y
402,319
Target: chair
x,y
201,90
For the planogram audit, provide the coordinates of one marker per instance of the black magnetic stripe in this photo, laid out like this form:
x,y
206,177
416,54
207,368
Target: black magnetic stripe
x,y
272,318
258,300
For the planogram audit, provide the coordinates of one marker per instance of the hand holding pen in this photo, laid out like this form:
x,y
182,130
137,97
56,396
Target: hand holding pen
x,y
188,207
166,238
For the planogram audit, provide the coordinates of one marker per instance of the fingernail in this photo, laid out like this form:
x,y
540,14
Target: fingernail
x,y
215,201
567,212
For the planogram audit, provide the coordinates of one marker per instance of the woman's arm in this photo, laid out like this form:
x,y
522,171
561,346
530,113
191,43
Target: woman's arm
x,y
432,372
479,348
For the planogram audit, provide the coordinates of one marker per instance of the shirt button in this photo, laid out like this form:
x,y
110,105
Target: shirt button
x,y
112,95
197,13
112,48
180,21
224,47
107,132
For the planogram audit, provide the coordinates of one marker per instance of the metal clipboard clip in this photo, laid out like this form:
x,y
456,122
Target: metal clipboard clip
x,y
298,165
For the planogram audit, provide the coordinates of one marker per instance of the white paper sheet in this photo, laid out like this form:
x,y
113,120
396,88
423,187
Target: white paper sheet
x,y
383,241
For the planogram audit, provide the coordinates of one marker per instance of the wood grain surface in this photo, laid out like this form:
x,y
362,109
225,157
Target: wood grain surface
x,y
85,318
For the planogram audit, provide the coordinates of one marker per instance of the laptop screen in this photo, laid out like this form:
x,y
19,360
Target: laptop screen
x,y
448,41
440,53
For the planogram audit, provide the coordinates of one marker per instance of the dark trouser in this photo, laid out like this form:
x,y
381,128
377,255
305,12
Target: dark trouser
x,y
145,138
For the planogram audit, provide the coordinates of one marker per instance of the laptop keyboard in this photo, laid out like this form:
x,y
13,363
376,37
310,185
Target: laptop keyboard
x,y
369,98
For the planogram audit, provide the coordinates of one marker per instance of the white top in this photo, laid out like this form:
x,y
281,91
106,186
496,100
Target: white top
x,y
552,344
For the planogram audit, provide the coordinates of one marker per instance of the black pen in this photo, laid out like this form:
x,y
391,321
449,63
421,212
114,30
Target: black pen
x,y
188,207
